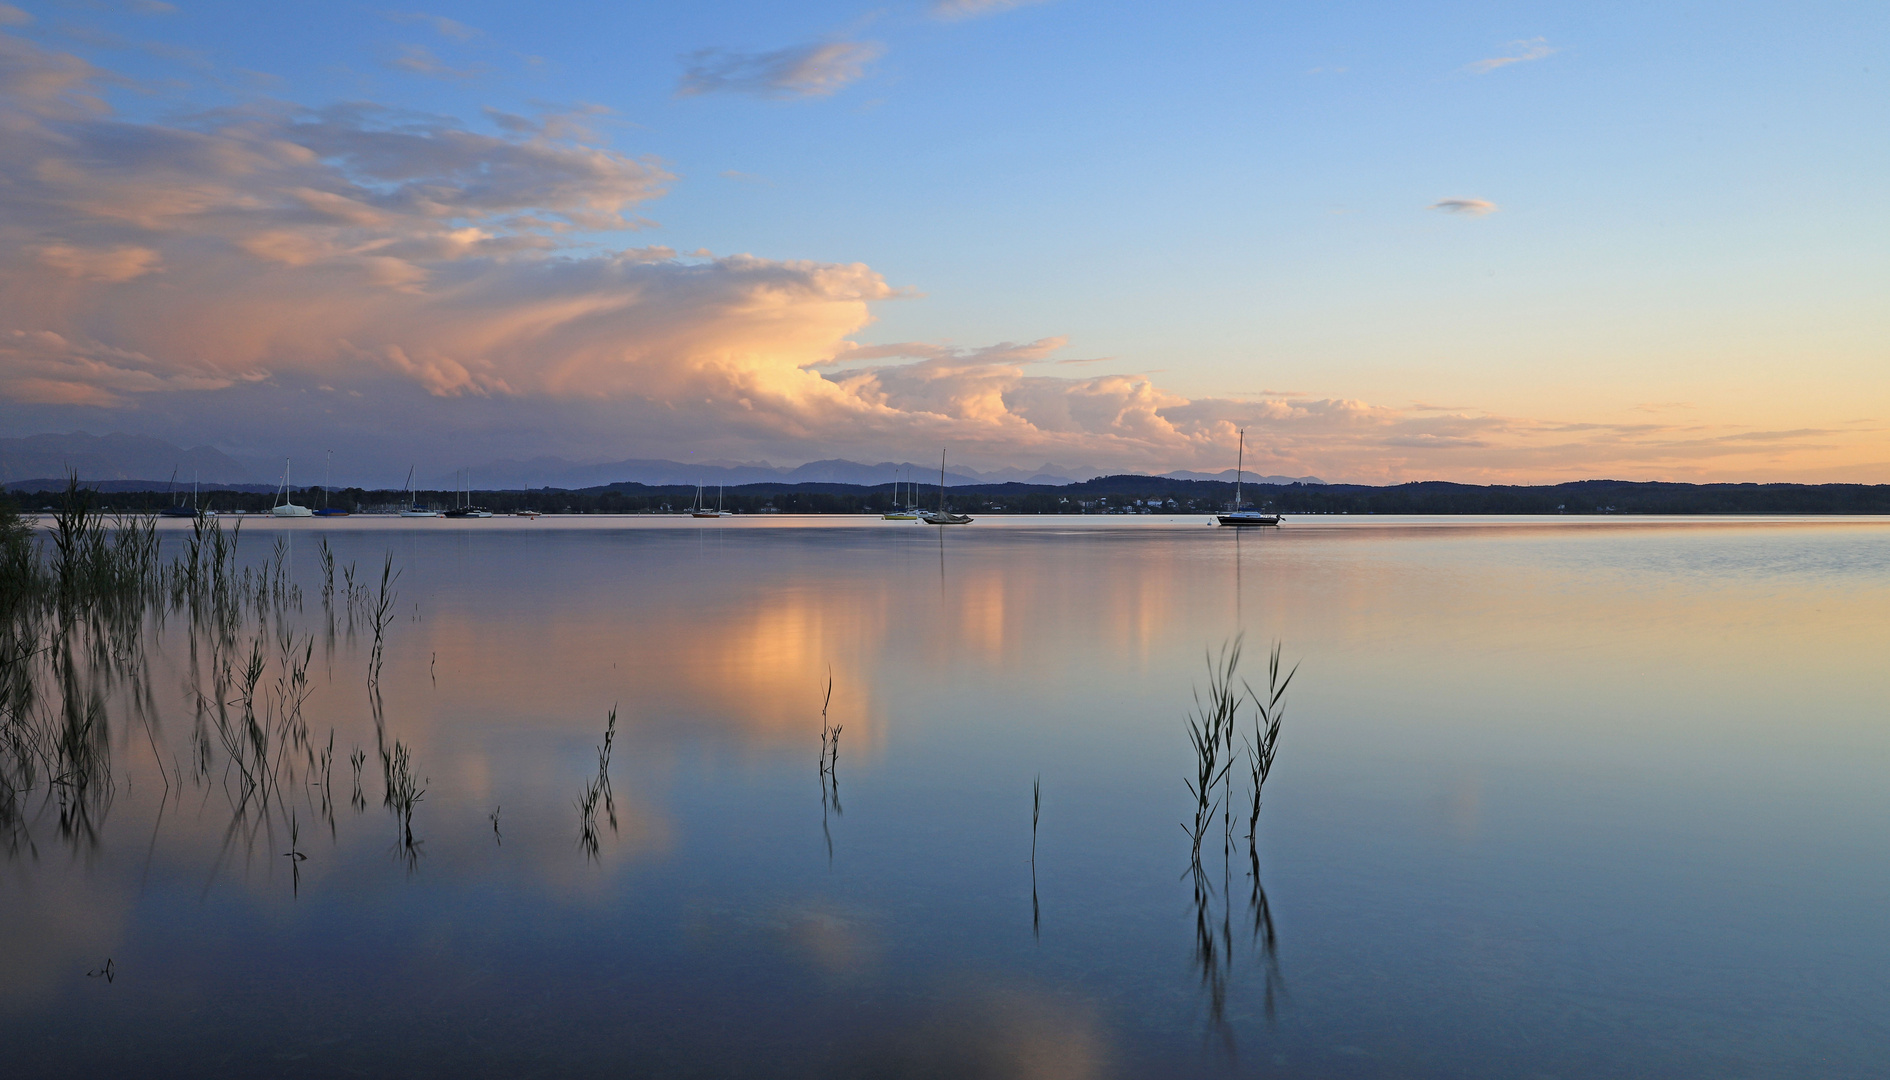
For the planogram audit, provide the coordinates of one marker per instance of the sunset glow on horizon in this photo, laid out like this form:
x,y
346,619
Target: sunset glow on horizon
x,y
1475,242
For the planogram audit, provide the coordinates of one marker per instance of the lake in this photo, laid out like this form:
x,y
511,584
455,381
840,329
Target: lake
x,y
1553,798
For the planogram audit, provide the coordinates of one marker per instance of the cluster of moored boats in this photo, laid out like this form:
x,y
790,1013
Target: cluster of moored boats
x,y
911,511
908,510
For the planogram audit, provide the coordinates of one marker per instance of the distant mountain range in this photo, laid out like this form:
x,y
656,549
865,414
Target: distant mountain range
x,y
1249,478
123,462
561,473
99,458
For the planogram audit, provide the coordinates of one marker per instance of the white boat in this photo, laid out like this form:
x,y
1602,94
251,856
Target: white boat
x,y
1239,516
414,509
285,506
899,513
939,516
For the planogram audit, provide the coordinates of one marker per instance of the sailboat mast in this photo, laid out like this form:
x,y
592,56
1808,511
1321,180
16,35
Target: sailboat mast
x,y
941,481
1240,463
328,474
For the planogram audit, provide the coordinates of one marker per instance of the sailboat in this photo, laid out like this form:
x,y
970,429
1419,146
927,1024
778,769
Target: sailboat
x,y
939,516
327,472
414,509
177,509
285,506
702,511
899,512
464,507
1238,516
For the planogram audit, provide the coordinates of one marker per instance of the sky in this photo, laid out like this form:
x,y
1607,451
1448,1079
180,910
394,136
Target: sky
x,y
1482,242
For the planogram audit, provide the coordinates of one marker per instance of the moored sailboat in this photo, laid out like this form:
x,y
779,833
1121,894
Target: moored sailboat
x,y
900,512
702,511
285,505
940,516
414,509
1239,516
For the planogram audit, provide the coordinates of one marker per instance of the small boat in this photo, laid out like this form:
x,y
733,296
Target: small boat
x,y
414,509
940,516
525,513
177,509
326,510
702,511
466,509
899,513
285,507
1239,516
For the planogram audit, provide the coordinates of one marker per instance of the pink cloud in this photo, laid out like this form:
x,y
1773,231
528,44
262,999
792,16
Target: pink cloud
x,y
451,283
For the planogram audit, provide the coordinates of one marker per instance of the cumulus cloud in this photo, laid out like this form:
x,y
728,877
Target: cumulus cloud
x,y
1467,207
355,276
1520,52
971,9
814,70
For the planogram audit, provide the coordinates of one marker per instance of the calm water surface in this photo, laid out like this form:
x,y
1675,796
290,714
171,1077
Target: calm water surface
x,y
1554,799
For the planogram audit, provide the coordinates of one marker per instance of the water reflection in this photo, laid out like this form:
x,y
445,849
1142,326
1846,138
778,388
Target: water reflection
x,y
163,756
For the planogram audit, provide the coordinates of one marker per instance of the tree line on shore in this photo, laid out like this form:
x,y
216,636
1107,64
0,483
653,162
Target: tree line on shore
x,y
1103,495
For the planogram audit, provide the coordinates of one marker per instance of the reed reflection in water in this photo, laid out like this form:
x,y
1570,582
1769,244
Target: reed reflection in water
x,y
195,744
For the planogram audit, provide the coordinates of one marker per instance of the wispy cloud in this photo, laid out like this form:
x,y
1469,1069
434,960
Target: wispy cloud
x,y
420,60
1519,52
12,16
1466,207
971,9
451,29
453,287
814,70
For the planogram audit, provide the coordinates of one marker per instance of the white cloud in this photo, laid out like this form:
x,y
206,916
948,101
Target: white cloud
x,y
1520,52
451,29
455,289
813,70
420,60
971,9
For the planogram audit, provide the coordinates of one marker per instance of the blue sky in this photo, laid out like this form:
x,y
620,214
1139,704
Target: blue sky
x,y
1671,216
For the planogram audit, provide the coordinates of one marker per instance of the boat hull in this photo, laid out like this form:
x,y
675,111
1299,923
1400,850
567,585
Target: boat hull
x,y
1248,519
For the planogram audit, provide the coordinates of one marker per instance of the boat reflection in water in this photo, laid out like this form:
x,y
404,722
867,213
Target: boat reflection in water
x,y
212,802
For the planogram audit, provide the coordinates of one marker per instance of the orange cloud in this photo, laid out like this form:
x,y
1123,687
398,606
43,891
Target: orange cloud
x,y
449,279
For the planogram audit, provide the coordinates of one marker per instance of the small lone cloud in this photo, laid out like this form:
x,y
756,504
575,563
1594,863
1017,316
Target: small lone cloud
x,y
971,9
452,29
798,71
1521,51
420,60
746,178
1466,207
